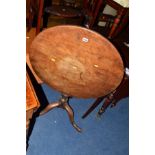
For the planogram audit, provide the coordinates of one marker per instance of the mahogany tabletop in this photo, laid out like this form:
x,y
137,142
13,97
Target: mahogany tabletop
x,y
76,61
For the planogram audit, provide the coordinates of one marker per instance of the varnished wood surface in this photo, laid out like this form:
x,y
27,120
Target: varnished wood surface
x,y
31,98
32,102
76,61
29,38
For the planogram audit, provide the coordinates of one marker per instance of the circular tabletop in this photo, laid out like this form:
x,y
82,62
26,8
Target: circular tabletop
x,y
76,61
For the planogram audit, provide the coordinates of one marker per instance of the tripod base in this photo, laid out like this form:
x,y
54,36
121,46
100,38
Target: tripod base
x,y
63,103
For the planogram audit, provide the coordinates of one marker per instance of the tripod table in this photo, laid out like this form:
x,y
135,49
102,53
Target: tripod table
x,y
77,62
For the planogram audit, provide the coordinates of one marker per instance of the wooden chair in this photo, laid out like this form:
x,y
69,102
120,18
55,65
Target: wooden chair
x,y
64,9
121,92
31,12
115,24
40,12
91,9
111,99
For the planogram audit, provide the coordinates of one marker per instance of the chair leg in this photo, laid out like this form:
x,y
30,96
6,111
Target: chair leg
x,y
41,3
116,23
93,106
122,24
106,104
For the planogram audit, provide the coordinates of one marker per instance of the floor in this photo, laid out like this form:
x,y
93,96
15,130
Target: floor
x,y
53,134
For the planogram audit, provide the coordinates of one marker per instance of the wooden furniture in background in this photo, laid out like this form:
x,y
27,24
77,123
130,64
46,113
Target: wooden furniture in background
x,y
123,90
77,62
64,9
121,18
92,9
29,38
32,102
34,96
111,99
40,12
68,11
31,12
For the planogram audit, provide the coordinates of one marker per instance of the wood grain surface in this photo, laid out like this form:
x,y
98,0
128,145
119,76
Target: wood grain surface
x,y
31,98
32,102
76,61
29,38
